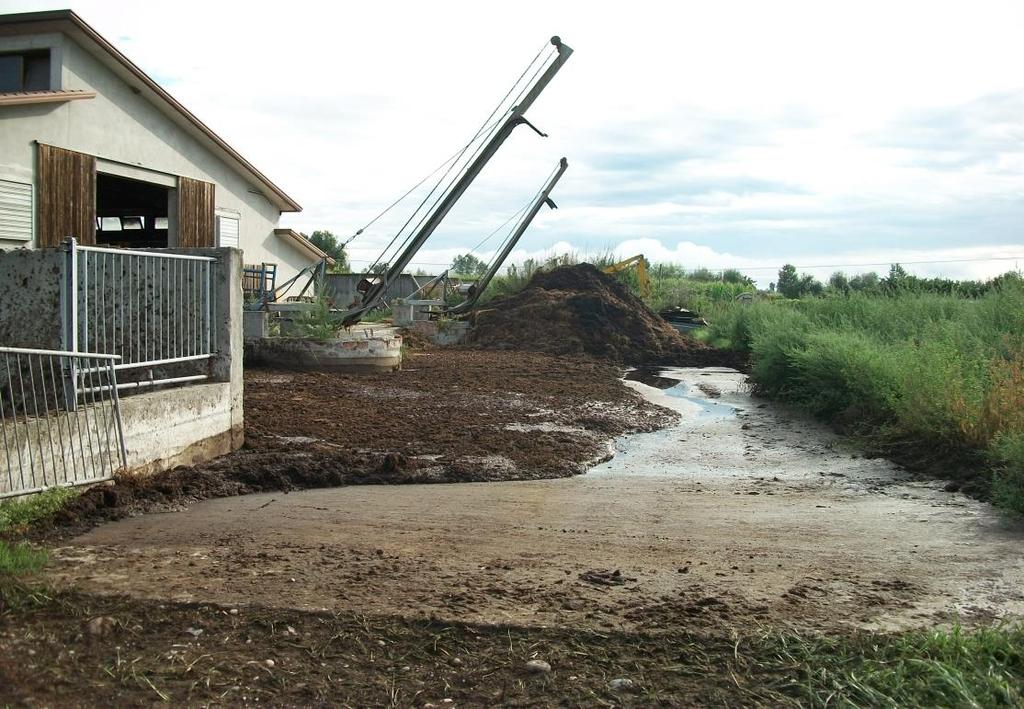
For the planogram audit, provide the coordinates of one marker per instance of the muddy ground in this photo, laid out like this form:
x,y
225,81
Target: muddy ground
x,y
725,518
447,416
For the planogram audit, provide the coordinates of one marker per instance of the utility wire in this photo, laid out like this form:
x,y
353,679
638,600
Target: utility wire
x,y
479,148
484,127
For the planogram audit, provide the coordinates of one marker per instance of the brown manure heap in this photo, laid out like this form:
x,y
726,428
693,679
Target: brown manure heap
x,y
578,310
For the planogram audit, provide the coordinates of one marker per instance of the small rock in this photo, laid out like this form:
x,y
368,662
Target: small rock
x,y
269,663
538,667
622,684
233,611
456,661
101,626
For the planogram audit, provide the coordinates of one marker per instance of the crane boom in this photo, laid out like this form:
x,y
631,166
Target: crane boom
x,y
376,291
524,224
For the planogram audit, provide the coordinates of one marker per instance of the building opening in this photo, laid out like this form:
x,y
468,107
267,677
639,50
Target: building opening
x,y
131,213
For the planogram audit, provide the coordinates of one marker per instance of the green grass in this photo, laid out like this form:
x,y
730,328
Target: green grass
x,y
19,514
942,372
933,668
17,559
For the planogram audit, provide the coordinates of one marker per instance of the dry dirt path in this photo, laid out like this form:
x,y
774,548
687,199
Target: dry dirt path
x,y
740,515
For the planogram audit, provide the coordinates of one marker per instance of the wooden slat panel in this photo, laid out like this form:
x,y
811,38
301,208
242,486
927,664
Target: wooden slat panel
x,y
195,213
67,196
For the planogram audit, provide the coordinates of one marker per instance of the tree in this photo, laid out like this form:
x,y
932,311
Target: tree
x,y
789,282
839,282
897,278
467,265
864,281
732,275
329,244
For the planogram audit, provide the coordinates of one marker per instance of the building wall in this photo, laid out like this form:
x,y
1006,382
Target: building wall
x,y
131,137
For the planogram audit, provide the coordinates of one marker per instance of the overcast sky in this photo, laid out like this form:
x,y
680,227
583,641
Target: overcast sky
x,y
709,134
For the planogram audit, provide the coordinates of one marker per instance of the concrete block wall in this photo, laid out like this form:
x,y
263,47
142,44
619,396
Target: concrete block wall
x,y
165,427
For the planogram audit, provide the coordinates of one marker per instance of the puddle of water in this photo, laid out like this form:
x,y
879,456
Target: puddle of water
x,y
684,390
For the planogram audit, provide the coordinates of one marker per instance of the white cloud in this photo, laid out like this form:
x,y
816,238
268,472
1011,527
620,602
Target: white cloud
x,y
794,131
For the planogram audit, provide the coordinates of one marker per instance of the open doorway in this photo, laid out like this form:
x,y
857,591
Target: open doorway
x,y
131,213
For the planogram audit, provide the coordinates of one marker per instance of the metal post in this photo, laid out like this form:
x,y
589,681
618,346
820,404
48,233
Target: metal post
x,y
69,313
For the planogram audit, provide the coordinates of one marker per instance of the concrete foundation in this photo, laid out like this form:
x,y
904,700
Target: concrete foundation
x,y
364,349
183,426
441,332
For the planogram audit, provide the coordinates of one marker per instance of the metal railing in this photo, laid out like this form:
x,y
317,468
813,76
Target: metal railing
x,y
153,309
60,419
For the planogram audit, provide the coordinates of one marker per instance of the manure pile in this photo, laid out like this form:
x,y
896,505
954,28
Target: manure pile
x,y
576,310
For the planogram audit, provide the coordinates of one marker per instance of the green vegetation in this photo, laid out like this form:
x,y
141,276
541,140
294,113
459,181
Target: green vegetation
x,y
318,323
955,668
19,514
329,244
939,373
467,266
17,559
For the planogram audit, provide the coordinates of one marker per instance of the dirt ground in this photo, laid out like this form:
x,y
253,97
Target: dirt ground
x,y
447,416
738,515
722,518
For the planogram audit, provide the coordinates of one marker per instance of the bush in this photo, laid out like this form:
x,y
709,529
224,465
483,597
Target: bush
x,y
941,371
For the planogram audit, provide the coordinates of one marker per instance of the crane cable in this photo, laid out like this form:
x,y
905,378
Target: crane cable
x,y
454,156
487,128
521,214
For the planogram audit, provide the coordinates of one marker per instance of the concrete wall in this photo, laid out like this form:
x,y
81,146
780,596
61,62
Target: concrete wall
x,y
30,286
163,428
124,129
341,287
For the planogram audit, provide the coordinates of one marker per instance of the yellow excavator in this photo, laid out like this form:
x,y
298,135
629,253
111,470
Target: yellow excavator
x,y
641,272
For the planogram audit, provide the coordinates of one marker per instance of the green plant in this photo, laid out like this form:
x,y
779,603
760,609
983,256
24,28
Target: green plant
x,y
18,514
17,559
318,323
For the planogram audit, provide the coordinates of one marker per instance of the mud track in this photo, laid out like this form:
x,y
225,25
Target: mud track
x,y
741,515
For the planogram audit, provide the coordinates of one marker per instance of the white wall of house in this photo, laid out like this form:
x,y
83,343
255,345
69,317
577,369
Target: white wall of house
x,y
132,137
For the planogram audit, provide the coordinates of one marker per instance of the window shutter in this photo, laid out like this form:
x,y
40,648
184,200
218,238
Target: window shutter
x,y
15,211
67,196
227,231
195,213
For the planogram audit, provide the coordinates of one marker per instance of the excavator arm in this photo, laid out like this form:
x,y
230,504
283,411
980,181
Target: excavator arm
x,y
642,278
542,199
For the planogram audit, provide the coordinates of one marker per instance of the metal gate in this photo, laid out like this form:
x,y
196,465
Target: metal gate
x,y
153,309
60,419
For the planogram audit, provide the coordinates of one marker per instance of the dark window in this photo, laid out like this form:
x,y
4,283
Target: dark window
x,y
27,71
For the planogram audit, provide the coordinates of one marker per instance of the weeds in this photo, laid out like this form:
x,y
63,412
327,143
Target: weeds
x,y
942,372
18,515
955,668
17,559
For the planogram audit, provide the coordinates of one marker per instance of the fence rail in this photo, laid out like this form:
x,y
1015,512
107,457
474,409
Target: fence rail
x,y
153,309
60,419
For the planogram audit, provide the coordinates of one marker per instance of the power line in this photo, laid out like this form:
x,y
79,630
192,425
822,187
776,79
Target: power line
x,y
866,265
776,268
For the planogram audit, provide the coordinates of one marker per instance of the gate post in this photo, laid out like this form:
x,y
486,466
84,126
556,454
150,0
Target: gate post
x,y
69,321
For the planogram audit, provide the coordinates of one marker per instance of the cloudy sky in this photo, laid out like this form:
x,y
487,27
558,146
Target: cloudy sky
x,y
721,134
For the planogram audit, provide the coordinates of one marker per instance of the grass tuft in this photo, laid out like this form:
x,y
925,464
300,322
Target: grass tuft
x,y
19,514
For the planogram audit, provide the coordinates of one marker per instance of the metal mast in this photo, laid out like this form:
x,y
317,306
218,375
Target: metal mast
x,y
377,290
524,224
